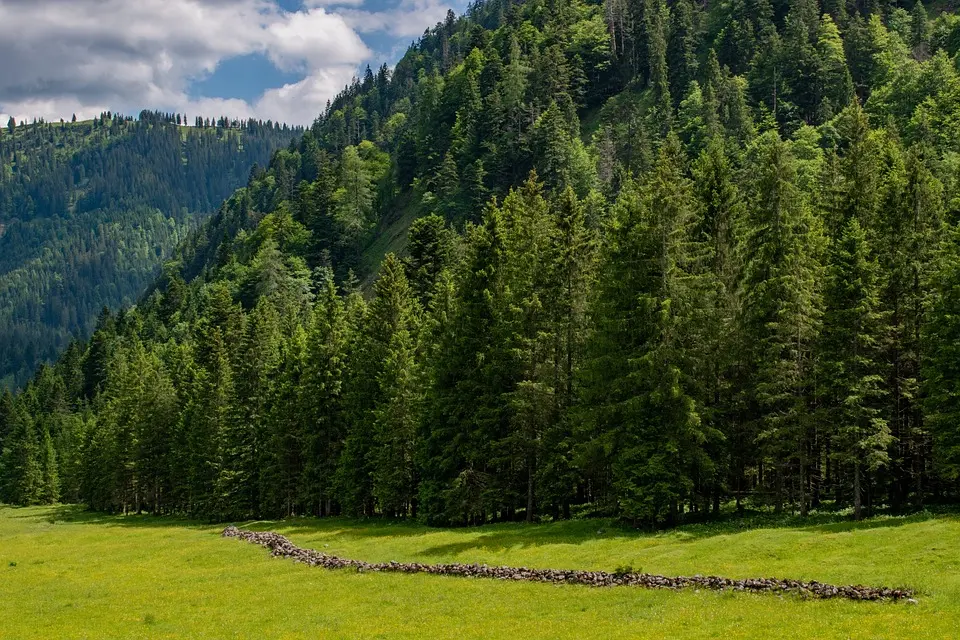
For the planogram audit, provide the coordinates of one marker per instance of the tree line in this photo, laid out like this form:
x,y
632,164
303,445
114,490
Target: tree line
x,y
634,287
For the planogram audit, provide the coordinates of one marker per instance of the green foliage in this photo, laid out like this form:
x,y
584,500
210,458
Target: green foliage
x,y
90,210
940,369
852,373
660,256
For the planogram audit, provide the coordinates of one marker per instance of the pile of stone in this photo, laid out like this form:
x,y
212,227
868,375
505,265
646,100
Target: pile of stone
x,y
281,547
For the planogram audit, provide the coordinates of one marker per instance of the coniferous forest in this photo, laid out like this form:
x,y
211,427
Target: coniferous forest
x,y
90,210
649,260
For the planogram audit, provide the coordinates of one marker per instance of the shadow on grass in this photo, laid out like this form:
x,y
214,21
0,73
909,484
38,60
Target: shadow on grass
x,y
78,514
491,537
498,537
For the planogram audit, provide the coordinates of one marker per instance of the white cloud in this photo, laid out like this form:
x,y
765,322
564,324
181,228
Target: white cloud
x,y
408,19
314,38
332,3
62,57
303,101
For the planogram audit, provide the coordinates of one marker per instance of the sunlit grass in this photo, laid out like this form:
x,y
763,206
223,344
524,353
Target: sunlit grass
x,y
69,574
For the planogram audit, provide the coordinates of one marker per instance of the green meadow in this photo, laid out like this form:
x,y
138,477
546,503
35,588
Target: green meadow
x,y
66,573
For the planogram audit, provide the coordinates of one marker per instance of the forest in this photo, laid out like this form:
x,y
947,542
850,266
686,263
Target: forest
x,y
660,261
90,210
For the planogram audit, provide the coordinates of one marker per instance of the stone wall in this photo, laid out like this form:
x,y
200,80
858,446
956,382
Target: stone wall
x,y
281,547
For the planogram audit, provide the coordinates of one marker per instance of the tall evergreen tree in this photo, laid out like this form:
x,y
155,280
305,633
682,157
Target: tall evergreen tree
x,y
323,391
638,389
782,309
396,405
22,462
852,371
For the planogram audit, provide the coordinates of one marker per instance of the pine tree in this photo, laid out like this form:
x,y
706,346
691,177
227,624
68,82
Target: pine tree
x,y
941,340
395,405
683,45
244,437
852,373
781,311
21,463
323,391
638,382
720,229
50,484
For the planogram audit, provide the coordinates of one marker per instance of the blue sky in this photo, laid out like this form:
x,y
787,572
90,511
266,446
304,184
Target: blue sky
x,y
276,59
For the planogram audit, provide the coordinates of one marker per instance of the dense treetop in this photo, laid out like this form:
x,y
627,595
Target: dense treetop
x,y
664,259
89,210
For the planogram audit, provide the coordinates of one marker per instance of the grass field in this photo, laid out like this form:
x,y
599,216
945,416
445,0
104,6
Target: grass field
x,y
65,573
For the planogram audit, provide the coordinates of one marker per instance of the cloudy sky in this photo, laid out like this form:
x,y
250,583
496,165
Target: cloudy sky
x,y
276,59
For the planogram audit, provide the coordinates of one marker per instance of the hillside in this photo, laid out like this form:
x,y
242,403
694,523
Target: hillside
x,y
665,263
90,210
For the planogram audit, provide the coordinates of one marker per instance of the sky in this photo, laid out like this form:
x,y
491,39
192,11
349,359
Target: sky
x,y
267,59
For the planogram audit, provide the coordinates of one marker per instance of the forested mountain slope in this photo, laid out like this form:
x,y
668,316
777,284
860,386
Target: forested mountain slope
x,y
667,258
90,210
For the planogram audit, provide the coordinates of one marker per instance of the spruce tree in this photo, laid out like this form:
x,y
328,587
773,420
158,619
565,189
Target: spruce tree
x,y
941,341
523,351
22,462
908,236
244,437
852,373
638,388
781,313
656,16
683,44
395,407
464,404
834,86
282,472
721,225
50,484
323,396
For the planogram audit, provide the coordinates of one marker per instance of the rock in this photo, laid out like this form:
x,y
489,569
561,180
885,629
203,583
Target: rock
x,y
281,547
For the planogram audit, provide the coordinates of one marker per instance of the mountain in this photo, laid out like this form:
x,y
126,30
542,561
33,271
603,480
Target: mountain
x,y
90,210
626,258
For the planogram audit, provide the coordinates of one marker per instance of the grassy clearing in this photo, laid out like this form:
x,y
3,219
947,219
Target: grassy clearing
x,y
391,237
69,574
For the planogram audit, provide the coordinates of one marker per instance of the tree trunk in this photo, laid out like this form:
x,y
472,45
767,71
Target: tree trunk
x,y
803,480
857,501
530,487
778,508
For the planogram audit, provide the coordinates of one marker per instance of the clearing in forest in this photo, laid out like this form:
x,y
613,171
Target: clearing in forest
x,y
72,574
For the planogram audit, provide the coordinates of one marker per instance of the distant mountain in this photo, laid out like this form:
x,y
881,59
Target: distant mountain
x,y
89,211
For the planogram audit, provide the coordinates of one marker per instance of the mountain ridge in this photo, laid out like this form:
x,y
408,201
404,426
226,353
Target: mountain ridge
x,y
84,206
